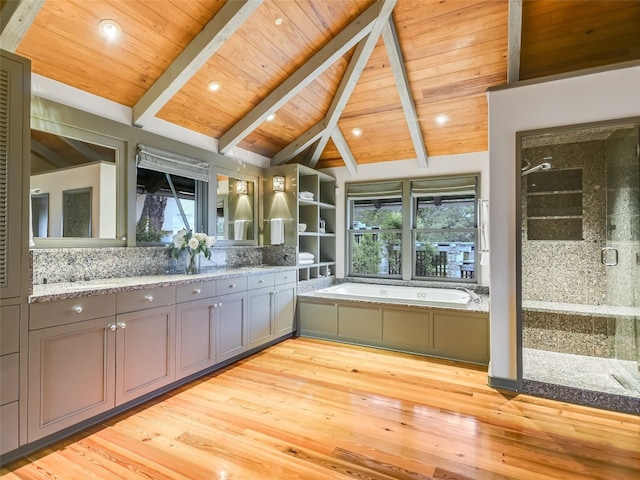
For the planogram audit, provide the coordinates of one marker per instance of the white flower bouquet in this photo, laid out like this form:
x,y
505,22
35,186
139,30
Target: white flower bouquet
x,y
193,244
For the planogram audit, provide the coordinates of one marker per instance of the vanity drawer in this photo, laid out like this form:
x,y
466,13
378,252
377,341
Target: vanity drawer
x,y
231,285
195,291
135,300
61,312
260,281
285,277
9,378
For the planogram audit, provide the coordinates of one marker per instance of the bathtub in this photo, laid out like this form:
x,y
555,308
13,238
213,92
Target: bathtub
x,y
437,297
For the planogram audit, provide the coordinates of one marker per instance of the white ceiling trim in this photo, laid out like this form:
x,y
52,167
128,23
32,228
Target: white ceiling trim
x,y
350,78
514,40
299,144
406,98
301,78
344,150
230,17
15,19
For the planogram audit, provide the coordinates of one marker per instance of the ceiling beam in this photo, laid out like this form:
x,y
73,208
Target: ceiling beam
x,y
48,155
215,33
514,40
299,144
82,149
15,19
406,97
301,78
344,150
351,76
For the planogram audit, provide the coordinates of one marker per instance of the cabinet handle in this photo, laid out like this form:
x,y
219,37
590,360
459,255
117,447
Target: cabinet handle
x,y
197,291
113,327
77,309
148,298
122,325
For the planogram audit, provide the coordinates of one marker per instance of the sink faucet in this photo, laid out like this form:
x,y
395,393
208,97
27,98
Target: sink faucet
x,y
474,296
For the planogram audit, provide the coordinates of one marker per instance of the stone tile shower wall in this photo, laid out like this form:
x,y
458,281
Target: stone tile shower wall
x,y
568,271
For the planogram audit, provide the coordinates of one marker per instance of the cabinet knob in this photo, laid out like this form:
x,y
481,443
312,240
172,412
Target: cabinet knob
x,y
148,298
260,281
197,291
286,277
215,305
233,285
77,309
113,327
220,304
122,325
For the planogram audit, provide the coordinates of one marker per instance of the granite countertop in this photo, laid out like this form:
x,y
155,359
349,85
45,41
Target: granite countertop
x,y
580,309
61,291
482,307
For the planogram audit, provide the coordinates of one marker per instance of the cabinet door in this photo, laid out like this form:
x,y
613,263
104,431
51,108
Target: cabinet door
x,y
145,352
195,337
285,309
260,325
230,312
14,163
71,375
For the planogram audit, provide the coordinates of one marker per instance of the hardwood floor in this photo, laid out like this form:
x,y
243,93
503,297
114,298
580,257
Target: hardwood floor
x,y
309,409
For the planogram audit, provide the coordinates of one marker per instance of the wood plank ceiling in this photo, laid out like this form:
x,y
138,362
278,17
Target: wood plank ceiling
x,y
390,68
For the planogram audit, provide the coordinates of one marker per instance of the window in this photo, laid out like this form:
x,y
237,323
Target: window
x,y
171,195
376,229
422,229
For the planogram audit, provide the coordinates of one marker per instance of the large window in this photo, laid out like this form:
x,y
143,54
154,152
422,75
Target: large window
x,y
171,195
423,229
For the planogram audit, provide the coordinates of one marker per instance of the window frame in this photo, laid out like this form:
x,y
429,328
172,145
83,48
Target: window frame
x,y
409,232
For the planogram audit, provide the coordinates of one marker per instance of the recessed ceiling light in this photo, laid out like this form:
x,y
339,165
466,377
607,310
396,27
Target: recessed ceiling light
x,y
442,119
278,21
271,117
109,29
356,132
213,86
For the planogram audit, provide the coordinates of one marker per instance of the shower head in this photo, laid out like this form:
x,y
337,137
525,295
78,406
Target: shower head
x,y
542,166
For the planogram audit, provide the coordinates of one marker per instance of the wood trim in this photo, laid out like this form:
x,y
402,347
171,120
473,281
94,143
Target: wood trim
x,y
345,152
230,17
16,18
312,69
514,40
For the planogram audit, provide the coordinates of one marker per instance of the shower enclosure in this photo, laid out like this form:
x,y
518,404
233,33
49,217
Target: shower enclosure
x,y
579,254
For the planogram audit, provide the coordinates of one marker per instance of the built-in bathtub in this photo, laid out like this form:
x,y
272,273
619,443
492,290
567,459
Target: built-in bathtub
x,y
436,297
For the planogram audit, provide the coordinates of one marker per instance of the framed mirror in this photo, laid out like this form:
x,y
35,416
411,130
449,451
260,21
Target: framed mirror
x,y
75,182
235,209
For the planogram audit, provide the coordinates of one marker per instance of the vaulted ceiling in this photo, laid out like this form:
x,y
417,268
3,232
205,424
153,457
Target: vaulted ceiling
x,y
410,74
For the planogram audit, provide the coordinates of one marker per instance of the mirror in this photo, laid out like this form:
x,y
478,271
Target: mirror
x,y
74,186
234,209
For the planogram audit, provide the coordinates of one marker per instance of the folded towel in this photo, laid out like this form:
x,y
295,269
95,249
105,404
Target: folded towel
x,y
306,256
239,229
305,262
277,231
306,195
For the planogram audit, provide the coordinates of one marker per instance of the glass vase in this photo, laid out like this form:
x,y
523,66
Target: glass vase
x,y
192,264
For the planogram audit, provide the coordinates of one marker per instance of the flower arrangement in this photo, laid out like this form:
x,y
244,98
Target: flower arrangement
x,y
193,243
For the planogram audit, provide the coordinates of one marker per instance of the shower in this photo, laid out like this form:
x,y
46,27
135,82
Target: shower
x,y
527,169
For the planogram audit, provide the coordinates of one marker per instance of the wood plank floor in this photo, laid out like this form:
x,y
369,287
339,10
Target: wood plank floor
x,y
308,409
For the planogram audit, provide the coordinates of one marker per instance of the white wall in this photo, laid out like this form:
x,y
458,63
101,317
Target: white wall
x,y
101,177
587,98
476,163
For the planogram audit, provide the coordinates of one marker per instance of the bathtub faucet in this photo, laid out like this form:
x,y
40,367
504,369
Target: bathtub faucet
x,y
474,296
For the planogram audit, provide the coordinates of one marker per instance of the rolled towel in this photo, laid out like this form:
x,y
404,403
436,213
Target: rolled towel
x,y
306,256
305,262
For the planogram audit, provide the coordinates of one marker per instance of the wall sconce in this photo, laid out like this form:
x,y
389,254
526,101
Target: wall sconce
x,y
278,183
241,187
